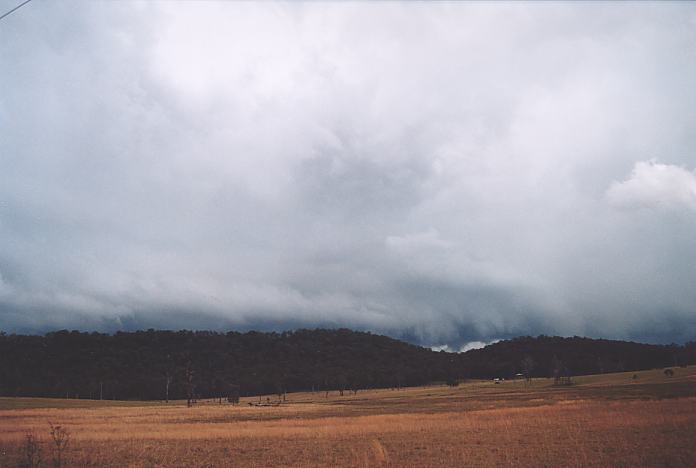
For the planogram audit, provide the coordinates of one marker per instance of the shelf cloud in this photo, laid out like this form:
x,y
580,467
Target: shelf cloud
x,y
444,173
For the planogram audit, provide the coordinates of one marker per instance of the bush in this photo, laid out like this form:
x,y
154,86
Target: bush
x,y
31,452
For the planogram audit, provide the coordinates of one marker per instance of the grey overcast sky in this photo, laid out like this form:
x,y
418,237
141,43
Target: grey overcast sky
x,y
448,173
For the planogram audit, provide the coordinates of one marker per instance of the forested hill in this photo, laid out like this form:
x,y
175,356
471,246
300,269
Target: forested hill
x,y
138,365
573,356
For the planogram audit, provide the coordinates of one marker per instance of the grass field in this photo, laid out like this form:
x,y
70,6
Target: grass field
x,y
606,420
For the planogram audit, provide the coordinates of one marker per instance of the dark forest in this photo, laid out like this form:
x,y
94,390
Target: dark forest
x,y
158,365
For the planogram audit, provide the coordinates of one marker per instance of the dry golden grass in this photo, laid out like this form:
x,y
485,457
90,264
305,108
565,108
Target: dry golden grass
x,y
602,421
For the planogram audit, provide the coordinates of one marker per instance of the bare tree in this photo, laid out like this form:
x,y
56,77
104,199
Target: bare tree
x,y
31,451
167,382
557,366
528,365
342,382
188,375
561,373
61,437
233,395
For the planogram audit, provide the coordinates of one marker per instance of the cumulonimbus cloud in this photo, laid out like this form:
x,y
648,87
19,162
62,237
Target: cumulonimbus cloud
x,y
435,171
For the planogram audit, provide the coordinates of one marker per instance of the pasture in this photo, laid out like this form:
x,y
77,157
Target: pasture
x,y
604,420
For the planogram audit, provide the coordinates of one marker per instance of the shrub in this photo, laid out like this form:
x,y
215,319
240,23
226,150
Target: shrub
x,y
31,452
60,437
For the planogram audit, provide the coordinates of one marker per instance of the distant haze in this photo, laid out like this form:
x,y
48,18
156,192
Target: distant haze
x,y
447,173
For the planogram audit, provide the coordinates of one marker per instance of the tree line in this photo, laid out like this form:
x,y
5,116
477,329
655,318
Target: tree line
x,y
159,365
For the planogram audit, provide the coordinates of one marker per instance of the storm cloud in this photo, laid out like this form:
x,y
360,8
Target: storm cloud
x,y
441,172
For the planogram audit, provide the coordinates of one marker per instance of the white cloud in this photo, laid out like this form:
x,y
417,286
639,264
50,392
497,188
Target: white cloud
x,y
439,348
655,185
476,345
465,347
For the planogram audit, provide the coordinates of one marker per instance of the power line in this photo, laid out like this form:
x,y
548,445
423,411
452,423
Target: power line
x,y
15,8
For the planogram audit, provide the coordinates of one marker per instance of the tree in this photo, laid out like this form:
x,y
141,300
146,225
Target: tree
x,y
167,382
561,374
188,378
342,382
528,365
233,396
452,374
557,368
60,437
31,451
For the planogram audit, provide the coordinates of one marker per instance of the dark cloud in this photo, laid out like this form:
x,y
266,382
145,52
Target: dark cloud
x,y
447,173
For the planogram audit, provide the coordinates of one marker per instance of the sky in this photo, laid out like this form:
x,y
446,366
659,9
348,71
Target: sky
x,y
446,173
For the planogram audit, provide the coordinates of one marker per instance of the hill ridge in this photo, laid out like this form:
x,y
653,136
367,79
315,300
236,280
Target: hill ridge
x,y
138,365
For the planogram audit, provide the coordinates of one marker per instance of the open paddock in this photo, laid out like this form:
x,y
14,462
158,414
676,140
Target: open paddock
x,y
607,420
